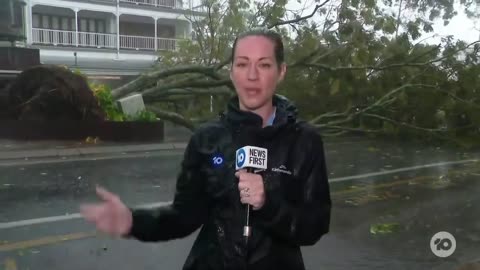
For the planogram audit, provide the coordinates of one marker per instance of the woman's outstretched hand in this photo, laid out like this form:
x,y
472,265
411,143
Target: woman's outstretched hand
x,y
111,216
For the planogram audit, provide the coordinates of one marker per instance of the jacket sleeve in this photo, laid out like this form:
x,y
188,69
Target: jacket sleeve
x,y
305,222
185,214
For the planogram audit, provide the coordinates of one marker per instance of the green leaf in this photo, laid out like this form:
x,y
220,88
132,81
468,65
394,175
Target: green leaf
x,y
384,228
434,13
335,87
378,24
413,30
390,25
428,27
370,3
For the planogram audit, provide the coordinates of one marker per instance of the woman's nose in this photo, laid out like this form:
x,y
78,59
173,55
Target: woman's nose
x,y
252,73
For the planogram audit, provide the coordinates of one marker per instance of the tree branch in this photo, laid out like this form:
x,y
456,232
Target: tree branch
x,y
403,123
157,90
151,78
342,128
379,68
187,91
172,117
298,19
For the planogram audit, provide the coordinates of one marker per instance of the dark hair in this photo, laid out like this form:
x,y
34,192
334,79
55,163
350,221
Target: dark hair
x,y
264,32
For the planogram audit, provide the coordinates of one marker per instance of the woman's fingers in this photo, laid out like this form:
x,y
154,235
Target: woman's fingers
x,y
105,194
91,212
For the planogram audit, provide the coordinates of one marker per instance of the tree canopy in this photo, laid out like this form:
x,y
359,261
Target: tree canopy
x,y
361,66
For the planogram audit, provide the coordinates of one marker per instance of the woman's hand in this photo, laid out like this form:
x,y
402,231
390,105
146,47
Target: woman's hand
x,y
251,189
111,216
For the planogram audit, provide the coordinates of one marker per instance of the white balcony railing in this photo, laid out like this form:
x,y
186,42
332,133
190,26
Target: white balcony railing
x,y
53,37
141,2
99,40
137,42
166,44
195,5
156,3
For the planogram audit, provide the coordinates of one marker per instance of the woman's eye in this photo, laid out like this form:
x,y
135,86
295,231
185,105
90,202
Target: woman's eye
x,y
265,65
241,64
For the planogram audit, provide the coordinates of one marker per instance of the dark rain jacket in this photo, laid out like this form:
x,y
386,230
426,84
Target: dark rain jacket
x,y
297,207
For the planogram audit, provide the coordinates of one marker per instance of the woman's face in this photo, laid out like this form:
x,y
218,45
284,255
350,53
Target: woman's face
x,y
255,72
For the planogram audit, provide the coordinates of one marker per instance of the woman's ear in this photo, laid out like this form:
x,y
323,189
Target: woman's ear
x,y
283,71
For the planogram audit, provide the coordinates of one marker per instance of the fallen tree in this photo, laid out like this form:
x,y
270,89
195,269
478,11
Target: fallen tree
x,y
352,67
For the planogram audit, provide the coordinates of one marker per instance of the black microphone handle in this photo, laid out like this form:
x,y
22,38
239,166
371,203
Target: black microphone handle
x,y
247,230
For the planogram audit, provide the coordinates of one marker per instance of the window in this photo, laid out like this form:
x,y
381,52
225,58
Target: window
x,y
65,23
101,26
55,22
91,25
83,25
36,21
45,21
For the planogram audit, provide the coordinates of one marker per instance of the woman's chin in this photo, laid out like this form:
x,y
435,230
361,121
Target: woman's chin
x,y
252,104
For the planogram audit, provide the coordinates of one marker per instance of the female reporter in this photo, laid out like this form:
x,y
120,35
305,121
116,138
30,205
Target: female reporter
x,y
290,201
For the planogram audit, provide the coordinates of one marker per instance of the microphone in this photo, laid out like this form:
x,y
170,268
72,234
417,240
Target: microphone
x,y
253,159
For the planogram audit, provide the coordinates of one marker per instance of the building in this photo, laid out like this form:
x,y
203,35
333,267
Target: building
x,y
107,38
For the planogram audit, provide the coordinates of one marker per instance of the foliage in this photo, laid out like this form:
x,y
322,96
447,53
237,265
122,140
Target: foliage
x,y
359,66
103,94
142,116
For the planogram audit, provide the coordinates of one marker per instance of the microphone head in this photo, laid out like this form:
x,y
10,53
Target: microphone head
x,y
251,157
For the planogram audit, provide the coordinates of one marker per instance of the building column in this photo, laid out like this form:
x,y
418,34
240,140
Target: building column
x,y
76,26
28,22
118,29
155,19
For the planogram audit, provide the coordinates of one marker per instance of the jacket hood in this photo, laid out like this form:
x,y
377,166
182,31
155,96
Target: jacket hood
x,y
286,112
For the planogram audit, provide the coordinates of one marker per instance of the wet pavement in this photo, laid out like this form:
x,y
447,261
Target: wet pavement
x,y
383,220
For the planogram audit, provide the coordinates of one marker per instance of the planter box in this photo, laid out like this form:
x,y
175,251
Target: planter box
x,y
69,130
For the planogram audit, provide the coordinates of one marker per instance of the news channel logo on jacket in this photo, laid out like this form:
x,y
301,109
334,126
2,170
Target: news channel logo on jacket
x,y
443,244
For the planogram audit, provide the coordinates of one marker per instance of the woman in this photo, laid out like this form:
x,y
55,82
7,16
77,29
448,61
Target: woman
x,y
290,200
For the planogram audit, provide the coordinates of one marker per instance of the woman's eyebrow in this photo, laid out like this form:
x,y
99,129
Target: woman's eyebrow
x,y
261,58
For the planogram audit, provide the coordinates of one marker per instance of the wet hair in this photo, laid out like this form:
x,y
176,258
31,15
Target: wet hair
x,y
271,35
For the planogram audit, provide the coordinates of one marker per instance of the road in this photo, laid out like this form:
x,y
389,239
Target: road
x,y
419,190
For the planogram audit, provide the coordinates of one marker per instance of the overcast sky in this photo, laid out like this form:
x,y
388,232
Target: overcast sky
x,y
460,26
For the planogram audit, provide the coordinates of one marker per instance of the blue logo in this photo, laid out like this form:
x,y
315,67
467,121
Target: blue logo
x,y
217,160
240,158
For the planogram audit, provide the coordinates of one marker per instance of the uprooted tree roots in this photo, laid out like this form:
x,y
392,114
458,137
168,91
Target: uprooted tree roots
x,y
52,93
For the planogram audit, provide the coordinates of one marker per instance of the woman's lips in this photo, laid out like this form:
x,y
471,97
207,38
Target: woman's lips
x,y
251,91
